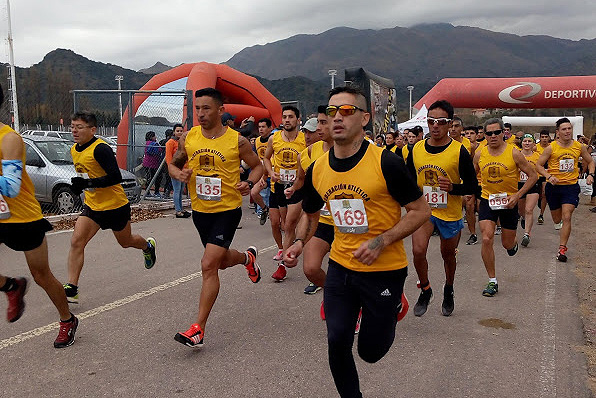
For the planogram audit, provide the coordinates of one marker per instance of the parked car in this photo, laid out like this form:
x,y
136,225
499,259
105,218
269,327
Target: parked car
x,y
67,135
50,166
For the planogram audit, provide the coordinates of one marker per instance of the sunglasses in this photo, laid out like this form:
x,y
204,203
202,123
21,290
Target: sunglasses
x,y
441,121
490,133
344,110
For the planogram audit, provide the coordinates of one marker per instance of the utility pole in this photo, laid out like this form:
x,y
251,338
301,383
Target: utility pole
x,y
119,79
12,81
410,89
332,73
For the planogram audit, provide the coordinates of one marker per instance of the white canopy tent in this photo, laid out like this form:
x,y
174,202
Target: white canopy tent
x,y
418,120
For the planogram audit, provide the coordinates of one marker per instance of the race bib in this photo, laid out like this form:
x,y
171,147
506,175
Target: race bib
x,y
287,176
208,188
4,210
349,215
566,165
436,198
497,201
523,176
324,211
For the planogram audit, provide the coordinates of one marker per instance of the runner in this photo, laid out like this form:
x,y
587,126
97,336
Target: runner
x,y
499,164
544,142
414,135
445,172
364,187
281,163
320,244
216,196
562,189
471,201
528,201
106,205
23,228
456,131
262,188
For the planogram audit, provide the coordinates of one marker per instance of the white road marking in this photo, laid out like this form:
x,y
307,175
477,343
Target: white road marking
x,y
107,307
548,386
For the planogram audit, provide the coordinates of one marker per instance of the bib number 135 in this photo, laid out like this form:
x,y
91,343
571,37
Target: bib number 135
x,y
349,215
208,188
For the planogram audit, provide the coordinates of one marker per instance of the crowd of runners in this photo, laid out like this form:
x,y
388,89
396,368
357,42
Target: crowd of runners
x,y
327,187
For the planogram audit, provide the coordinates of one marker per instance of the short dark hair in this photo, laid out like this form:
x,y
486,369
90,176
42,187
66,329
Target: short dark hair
x,y
444,105
391,133
177,125
169,133
149,134
322,109
210,92
354,90
561,121
417,130
291,108
545,132
473,128
265,120
87,117
458,119
508,125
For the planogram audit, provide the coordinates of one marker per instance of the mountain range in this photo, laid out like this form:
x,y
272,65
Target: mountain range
x,y
295,69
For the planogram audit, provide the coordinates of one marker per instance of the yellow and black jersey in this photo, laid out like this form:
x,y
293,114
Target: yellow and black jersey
x,y
285,153
23,208
95,160
364,194
563,162
532,159
316,151
261,146
215,165
499,173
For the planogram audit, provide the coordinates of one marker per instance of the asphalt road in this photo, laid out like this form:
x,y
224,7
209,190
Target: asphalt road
x,y
267,340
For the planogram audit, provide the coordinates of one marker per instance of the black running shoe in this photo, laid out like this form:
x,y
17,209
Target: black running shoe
x,y
448,302
423,301
264,215
472,240
513,250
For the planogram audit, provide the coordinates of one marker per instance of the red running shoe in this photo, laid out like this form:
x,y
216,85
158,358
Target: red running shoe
x,y
16,302
66,335
358,322
254,272
279,256
405,306
280,274
193,337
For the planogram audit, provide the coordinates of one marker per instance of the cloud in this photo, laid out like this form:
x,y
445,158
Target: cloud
x,y
135,34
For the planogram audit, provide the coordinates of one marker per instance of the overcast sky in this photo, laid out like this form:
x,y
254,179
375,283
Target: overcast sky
x,y
136,34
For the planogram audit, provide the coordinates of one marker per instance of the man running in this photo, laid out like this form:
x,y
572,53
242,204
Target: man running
x,y
106,205
281,163
562,190
471,201
544,142
262,188
445,172
214,152
499,164
528,201
23,228
364,187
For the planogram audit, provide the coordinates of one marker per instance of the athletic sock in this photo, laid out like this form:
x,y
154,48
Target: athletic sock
x,y
9,285
492,280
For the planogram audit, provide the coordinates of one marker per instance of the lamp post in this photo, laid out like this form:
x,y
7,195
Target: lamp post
x,y
332,73
119,79
13,80
410,89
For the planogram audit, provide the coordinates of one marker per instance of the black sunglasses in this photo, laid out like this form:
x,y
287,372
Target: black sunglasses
x,y
490,133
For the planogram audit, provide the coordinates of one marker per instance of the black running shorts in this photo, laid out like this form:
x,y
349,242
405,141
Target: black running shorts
x,y
115,219
26,236
325,232
217,228
508,217
558,195
278,198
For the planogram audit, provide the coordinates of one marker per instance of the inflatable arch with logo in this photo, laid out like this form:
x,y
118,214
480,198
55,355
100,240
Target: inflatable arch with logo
x,y
243,95
526,92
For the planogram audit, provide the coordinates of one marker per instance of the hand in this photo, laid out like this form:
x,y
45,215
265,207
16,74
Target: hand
x,y
589,180
291,255
512,200
78,184
445,184
243,187
553,180
275,177
289,192
368,252
184,175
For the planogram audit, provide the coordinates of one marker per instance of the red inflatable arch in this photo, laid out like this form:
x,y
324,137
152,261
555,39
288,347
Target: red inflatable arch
x,y
243,95
523,92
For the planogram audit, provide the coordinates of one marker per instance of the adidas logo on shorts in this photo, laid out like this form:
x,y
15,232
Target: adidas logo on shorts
x,y
386,293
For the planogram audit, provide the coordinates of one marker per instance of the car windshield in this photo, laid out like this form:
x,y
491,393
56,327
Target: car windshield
x,y
57,152
67,136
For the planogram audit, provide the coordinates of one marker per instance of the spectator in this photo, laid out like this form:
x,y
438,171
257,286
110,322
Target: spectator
x,y
246,126
178,186
167,186
380,141
151,159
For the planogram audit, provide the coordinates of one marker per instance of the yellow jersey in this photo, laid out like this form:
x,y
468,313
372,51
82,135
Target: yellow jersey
x,y
215,165
563,162
24,207
316,151
532,159
85,164
285,156
499,173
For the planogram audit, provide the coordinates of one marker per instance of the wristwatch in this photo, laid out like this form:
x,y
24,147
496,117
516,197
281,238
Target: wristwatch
x,y
250,183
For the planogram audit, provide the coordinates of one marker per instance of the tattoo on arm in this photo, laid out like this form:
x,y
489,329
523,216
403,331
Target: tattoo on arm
x,y
376,243
179,159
